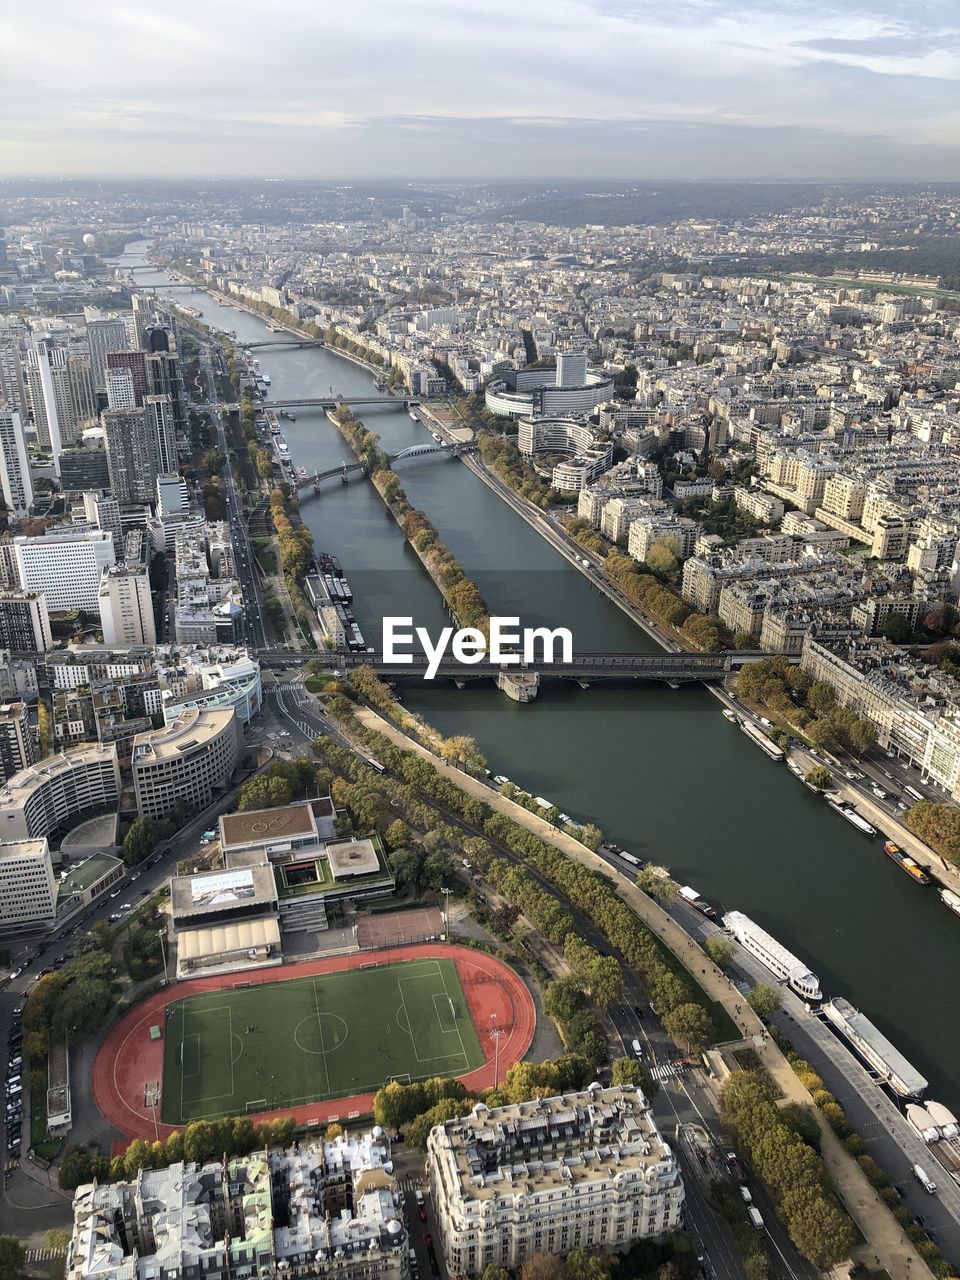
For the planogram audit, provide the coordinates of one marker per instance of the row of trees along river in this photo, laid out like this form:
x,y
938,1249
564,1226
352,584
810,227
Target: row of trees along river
x,y
661,771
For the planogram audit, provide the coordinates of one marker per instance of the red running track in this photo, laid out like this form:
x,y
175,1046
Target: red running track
x,y
128,1060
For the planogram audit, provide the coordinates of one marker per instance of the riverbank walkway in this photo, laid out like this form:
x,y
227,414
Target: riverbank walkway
x,y
883,1235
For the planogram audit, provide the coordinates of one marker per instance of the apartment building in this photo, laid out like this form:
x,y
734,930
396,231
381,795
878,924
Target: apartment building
x,y
126,606
584,1170
758,504
14,463
680,531
66,565
28,890
24,622
915,707
323,1209
40,799
18,747
186,762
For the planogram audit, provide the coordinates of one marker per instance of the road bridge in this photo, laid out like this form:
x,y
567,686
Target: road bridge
x,y
290,341
333,402
671,667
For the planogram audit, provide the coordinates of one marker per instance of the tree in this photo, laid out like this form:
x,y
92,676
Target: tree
x,y
820,777
76,1168
139,841
719,949
689,1025
897,629
662,557
56,1240
656,882
823,735
606,981
862,735
630,1071
43,727
764,1000
12,1257
821,698
936,824
332,1132
542,1266
581,1265
398,835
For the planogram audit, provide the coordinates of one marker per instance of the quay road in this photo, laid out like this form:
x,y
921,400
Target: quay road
x,y
889,1139
253,632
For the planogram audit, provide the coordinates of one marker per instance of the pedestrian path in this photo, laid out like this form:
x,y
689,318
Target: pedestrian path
x,y
44,1255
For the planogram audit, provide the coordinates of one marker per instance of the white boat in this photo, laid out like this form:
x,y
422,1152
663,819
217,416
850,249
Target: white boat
x,y
782,963
266,378
875,1049
413,415
853,818
951,900
729,715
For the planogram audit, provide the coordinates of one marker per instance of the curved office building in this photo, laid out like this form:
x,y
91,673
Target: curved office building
x,y
584,456
570,387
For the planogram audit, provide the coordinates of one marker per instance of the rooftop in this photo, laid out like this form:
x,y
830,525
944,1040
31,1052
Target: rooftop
x,y
23,848
263,826
193,729
87,873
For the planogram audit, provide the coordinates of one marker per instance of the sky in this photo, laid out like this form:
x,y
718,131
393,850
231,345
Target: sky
x,y
777,89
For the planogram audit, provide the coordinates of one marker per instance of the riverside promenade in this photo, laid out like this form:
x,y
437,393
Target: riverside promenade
x,y
884,1238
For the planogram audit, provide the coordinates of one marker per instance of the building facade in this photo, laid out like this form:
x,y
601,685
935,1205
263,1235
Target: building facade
x,y
43,797
126,606
28,890
66,566
585,1170
187,762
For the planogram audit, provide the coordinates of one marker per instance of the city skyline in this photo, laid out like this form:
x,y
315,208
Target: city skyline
x,y
581,88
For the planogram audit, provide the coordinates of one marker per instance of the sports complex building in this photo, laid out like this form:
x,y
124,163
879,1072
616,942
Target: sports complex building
x,y
283,869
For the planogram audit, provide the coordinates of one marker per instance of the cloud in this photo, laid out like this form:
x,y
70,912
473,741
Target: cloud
x,y
362,88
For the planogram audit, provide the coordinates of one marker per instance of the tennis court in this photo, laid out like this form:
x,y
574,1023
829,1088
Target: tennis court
x,y
271,1046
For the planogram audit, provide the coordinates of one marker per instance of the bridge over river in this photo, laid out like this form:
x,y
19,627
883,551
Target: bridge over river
x,y
669,667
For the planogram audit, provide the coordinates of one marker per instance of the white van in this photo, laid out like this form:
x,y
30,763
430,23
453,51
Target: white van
x,y
755,1219
637,1048
746,1196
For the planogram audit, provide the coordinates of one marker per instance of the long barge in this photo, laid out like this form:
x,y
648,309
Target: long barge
x,y
875,1049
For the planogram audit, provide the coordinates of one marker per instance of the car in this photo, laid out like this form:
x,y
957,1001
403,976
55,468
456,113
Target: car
x,y
136,875
115,894
423,1213
905,808
428,1239
16,974
126,906
638,1010
114,918
891,755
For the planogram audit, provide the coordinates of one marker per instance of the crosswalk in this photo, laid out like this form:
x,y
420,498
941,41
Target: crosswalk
x,y
44,1255
664,1071
410,1184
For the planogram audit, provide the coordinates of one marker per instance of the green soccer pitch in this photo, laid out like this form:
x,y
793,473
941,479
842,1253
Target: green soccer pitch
x,y
276,1045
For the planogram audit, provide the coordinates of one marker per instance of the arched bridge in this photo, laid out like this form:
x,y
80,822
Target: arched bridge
x,y
346,469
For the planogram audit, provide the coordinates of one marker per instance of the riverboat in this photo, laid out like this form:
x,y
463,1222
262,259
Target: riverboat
x,y
781,962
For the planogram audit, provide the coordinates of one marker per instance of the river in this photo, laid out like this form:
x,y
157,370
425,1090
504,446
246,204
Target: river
x,y
661,771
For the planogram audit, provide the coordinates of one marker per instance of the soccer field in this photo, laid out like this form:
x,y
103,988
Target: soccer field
x,y
281,1044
